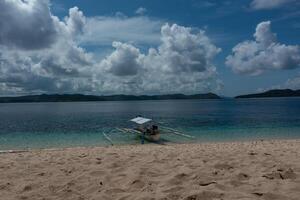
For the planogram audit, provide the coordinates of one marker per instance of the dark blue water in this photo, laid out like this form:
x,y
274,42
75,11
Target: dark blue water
x,y
51,125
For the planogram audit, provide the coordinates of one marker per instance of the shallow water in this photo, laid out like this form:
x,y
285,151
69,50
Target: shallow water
x,y
52,125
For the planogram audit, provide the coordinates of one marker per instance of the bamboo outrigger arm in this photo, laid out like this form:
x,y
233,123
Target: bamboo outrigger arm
x,y
133,131
108,138
176,132
122,130
128,130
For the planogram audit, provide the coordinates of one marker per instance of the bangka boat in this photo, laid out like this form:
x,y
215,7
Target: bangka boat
x,y
148,130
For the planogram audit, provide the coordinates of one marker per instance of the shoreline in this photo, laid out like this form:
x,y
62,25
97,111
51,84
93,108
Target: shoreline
x,y
148,144
268,169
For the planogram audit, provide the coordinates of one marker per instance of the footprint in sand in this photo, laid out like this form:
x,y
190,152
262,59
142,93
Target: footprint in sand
x,y
137,184
115,165
281,174
205,195
27,188
98,161
178,179
206,183
242,176
54,188
223,166
252,153
239,179
23,198
269,196
97,173
82,155
288,174
5,186
41,174
125,197
174,189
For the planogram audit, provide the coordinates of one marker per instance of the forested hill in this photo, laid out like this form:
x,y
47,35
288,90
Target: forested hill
x,y
81,97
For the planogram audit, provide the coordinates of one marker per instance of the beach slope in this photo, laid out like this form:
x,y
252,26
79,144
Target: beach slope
x,y
266,170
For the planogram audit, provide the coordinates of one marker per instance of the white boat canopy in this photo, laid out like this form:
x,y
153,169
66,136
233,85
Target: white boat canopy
x,y
140,120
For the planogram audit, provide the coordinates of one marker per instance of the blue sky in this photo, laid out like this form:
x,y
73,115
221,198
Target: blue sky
x,y
226,25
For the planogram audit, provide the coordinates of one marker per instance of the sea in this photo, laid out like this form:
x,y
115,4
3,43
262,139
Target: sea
x,y
79,124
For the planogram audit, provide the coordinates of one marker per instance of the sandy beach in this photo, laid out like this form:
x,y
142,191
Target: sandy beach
x,y
267,170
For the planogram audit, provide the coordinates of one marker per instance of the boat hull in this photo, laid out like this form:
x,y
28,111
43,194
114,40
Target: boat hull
x,y
155,137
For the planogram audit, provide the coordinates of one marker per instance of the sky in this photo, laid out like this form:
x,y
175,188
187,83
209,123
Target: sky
x,y
148,47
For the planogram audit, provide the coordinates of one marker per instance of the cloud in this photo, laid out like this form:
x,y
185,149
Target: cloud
x,y
26,24
264,35
102,30
76,21
180,58
269,4
51,70
124,61
293,83
181,63
183,51
141,11
265,53
34,60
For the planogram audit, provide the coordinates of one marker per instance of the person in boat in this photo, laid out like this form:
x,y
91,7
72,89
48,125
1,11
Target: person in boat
x,y
153,130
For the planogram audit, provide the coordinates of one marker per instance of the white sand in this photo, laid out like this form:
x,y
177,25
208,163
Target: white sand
x,y
266,170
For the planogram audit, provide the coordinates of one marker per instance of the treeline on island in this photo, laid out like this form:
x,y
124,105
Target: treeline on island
x,y
273,93
81,97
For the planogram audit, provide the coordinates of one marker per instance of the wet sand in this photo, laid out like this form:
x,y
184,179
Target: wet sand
x,y
267,170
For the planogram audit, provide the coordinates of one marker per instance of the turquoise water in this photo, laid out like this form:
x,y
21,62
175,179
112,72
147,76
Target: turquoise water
x,y
53,125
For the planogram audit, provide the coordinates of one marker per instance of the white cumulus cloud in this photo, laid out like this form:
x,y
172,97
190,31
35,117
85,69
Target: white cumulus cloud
x,y
19,18
184,51
264,53
124,61
181,63
75,21
40,53
141,11
102,30
293,83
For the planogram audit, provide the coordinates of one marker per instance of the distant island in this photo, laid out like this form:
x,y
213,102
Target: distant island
x,y
273,93
81,97
121,97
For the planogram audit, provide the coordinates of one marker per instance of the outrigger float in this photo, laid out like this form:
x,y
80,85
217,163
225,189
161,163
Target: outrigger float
x,y
148,130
